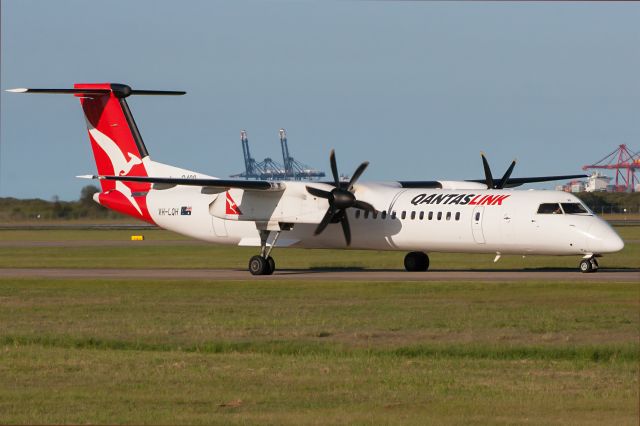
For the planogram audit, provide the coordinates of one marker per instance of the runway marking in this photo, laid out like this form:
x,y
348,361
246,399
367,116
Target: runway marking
x,y
608,275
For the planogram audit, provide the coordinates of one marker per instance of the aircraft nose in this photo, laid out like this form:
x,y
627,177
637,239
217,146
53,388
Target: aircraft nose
x,y
603,239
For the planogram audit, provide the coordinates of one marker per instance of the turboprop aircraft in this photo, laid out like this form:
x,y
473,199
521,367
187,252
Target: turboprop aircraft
x,y
471,216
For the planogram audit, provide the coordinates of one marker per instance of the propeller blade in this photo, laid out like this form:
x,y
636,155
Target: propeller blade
x,y
506,176
346,229
362,205
334,168
361,168
318,192
325,221
487,171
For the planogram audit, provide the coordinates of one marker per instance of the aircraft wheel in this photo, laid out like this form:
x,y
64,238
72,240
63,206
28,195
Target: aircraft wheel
x,y
272,265
586,266
416,261
258,265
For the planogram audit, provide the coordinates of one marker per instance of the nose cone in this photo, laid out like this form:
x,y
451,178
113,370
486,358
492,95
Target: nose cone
x,y
603,239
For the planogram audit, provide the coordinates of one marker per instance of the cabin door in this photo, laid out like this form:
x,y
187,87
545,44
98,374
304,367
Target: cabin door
x,y
476,224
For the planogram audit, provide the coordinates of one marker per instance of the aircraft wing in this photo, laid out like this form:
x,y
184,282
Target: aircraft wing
x,y
251,185
513,182
428,184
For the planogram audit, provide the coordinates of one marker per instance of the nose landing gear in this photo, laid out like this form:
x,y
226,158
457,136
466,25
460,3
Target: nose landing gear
x,y
416,261
588,265
264,263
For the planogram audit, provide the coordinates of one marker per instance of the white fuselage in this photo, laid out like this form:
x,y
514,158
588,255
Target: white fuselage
x,y
431,220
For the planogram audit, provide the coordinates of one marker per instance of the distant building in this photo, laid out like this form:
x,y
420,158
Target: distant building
x,y
597,182
577,186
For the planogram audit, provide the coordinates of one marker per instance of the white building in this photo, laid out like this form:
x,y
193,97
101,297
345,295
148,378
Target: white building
x,y
597,182
577,186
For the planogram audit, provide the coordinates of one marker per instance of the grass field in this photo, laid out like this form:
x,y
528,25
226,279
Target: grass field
x,y
287,352
157,252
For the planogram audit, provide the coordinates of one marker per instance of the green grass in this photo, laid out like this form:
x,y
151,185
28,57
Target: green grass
x,y
287,352
358,314
194,388
148,254
152,234
269,352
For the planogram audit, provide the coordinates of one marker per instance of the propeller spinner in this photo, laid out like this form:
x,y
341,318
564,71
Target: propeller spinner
x,y
340,199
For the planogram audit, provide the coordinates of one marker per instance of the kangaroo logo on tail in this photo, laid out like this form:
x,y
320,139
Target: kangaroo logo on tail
x,y
121,167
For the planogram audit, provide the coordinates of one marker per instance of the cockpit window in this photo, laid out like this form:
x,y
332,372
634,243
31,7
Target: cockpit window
x,y
574,208
549,208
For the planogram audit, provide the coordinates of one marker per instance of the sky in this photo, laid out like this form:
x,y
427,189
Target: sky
x,y
416,88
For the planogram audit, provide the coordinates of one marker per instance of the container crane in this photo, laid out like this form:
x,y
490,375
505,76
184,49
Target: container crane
x,y
269,169
294,169
266,169
625,163
249,163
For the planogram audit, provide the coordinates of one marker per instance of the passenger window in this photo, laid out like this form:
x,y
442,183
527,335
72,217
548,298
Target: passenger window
x,y
413,215
430,215
357,214
384,214
448,215
393,214
457,215
404,215
477,216
549,208
574,208
439,215
366,214
421,215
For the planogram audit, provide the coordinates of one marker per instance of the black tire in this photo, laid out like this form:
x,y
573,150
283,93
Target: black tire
x,y
272,265
258,265
416,261
425,262
586,266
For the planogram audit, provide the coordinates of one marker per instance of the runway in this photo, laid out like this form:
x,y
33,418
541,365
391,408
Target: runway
x,y
544,275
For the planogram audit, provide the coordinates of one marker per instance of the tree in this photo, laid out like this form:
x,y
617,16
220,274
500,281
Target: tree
x,y
61,209
86,194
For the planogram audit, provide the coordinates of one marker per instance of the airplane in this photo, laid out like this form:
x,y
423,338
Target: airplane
x,y
418,217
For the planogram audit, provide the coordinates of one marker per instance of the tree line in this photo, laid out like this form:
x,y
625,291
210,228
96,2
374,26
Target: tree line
x,y
13,209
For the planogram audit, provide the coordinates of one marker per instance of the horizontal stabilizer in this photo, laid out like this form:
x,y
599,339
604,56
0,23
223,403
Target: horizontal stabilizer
x,y
119,90
253,185
61,91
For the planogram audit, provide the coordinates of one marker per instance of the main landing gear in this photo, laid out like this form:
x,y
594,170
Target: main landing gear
x,y
264,263
259,265
416,261
589,264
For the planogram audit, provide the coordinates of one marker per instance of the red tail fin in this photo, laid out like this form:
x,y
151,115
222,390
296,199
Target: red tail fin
x,y
117,148
116,142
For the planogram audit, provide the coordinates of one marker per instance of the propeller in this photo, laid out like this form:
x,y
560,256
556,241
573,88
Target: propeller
x,y
340,199
491,184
